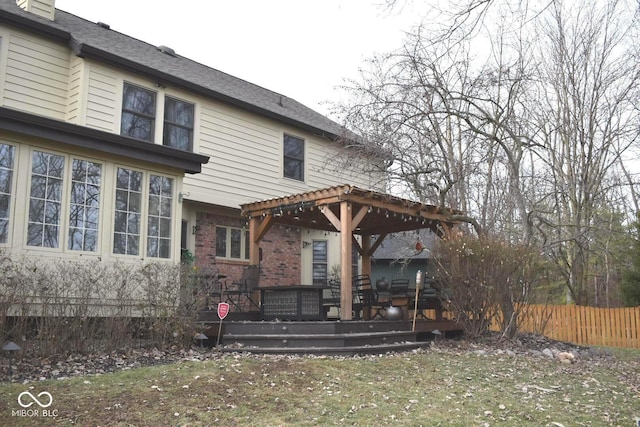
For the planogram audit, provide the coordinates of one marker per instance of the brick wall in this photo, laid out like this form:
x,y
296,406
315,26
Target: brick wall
x,y
280,263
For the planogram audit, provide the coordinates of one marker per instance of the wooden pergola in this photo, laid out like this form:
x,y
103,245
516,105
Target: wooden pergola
x,y
350,211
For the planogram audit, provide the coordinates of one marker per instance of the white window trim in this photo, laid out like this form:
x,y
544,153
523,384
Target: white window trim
x,y
243,241
144,216
12,192
161,93
65,204
305,153
101,207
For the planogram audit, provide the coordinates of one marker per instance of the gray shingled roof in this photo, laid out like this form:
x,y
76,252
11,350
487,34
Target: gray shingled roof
x,y
90,39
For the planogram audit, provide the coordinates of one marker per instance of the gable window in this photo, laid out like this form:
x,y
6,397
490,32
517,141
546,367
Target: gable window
x,y
126,237
232,243
138,112
7,153
320,258
178,124
159,217
45,200
86,179
293,164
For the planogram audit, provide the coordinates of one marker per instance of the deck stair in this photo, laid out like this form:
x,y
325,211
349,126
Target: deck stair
x,y
325,337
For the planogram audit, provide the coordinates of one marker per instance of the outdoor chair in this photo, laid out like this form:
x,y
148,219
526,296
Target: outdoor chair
x,y
205,287
364,299
331,296
399,288
428,299
240,293
215,287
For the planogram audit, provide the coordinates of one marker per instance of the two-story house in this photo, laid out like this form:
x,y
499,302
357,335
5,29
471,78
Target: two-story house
x,y
116,149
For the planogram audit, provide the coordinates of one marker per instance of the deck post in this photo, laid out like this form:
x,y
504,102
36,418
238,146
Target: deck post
x,y
254,241
366,254
346,231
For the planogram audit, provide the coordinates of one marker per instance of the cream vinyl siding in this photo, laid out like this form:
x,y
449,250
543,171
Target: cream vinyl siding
x,y
322,170
44,8
241,148
37,76
246,159
74,101
103,98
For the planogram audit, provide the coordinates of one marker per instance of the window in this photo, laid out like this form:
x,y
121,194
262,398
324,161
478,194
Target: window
x,y
126,237
138,113
159,217
293,158
232,243
178,124
84,209
7,153
45,200
320,257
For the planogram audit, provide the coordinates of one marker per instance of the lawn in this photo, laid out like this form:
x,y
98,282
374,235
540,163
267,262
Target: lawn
x,y
443,385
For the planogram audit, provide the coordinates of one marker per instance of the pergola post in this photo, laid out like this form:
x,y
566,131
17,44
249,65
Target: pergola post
x,y
346,231
366,254
254,241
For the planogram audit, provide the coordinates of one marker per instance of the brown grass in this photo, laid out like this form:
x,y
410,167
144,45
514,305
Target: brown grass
x,y
436,387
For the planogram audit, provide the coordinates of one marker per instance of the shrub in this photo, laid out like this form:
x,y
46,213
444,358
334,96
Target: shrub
x,y
53,306
487,280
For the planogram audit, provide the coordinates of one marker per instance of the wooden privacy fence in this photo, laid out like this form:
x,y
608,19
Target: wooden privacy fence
x,y
610,327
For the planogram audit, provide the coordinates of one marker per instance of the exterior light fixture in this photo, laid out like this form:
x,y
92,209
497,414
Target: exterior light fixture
x,y
10,348
201,337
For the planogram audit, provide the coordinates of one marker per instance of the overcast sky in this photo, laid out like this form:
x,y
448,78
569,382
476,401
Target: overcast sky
x,y
301,49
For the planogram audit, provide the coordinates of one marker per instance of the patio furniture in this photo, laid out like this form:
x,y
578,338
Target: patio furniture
x,y
399,287
400,297
239,294
365,299
297,302
331,297
215,287
205,286
428,299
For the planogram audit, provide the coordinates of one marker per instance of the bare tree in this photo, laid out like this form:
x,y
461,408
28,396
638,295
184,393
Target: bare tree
x,y
526,126
587,85
448,126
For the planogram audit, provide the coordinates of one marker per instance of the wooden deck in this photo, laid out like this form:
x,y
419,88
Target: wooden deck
x,y
329,337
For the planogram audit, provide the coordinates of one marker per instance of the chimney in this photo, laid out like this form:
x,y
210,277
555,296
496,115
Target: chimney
x,y
43,8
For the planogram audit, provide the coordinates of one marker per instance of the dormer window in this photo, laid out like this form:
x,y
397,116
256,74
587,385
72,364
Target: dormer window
x,y
138,112
178,124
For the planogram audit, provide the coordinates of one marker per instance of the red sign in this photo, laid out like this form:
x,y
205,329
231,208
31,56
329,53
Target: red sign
x,y
223,310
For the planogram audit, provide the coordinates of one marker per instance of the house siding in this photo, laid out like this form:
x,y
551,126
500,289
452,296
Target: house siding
x,y
44,8
74,107
37,76
102,99
246,159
